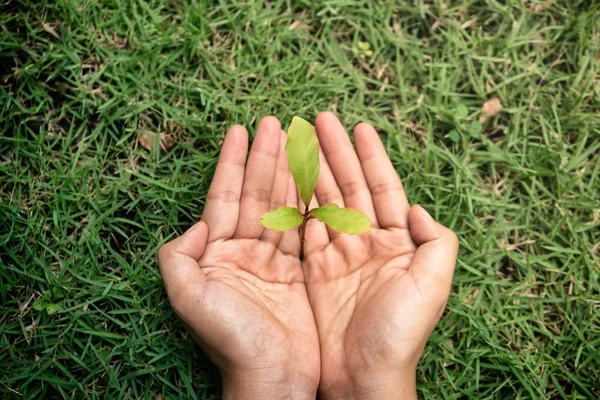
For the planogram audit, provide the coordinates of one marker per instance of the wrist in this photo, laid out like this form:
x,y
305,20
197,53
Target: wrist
x,y
267,385
381,385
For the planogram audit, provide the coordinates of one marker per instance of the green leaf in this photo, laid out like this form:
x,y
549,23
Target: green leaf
x,y
475,129
302,150
54,308
364,45
47,295
453,135
282,218
462,110
345,220
39,304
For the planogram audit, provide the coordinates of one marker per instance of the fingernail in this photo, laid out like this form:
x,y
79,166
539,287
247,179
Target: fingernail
x,y
425,213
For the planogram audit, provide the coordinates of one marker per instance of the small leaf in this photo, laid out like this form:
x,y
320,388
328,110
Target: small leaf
x,y
302,150
462,110
475,129
364,45
453,135
282,219
345,220
47,295
54,308
39,304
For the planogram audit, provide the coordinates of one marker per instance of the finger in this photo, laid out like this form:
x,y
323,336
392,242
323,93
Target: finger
x,y
222,202
434,260
290,240
344,164
178,259
316,237
258,181
279,191
327,190
389,199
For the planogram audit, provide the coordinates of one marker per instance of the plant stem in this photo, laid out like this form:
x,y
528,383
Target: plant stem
x,y
303,232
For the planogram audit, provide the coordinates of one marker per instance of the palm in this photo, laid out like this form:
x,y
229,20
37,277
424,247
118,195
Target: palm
x,y
376,297
362,291
259,289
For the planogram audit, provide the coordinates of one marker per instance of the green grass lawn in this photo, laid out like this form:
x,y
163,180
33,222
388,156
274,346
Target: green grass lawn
x,y
84,207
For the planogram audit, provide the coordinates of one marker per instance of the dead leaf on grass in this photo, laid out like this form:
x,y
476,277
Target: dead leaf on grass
x,y
166,141
294,25
50,30
531,6
490,108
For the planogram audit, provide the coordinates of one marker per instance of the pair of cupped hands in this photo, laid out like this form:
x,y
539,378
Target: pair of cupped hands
x,y
350,319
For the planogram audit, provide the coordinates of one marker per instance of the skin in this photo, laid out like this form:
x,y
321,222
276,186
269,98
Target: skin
x,y
353,317
239,288
376,297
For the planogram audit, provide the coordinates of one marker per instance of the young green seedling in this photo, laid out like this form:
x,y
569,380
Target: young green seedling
x,y
302,150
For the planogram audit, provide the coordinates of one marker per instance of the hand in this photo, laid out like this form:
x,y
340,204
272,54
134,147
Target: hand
x,y
376,297
240,288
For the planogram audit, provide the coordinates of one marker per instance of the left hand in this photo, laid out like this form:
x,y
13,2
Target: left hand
x,y
240,288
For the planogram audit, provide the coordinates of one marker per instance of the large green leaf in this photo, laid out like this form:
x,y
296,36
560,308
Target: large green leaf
x,y
345,220
302,150
282,218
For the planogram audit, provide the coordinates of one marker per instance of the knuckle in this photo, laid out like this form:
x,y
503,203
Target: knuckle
x,y
257,194
330,197
352,187
225,196
385,187
283,168
267,153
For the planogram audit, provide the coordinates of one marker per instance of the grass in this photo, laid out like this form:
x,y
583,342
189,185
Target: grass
x,y
84,207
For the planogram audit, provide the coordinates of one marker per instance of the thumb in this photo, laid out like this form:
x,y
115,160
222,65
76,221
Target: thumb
x,y
178,259
435,257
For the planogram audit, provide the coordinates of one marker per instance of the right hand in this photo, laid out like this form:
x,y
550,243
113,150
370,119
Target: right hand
x,y
378,296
